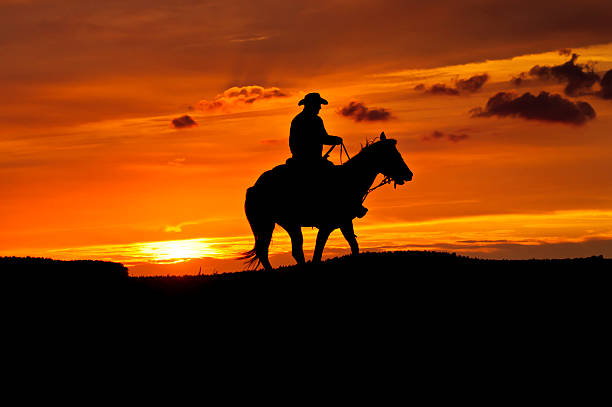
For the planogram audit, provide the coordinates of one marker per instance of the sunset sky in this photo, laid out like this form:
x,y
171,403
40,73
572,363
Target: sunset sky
x,y
131,129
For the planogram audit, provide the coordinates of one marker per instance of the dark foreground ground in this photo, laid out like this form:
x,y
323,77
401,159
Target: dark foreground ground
x,y
405,280
424,313
418,325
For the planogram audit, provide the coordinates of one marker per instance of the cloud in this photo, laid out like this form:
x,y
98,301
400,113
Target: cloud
x,y
470,85
240,96
606,85
519,79
580,78
359,112
545,107
438,135
250,39
565,52
442,89
183,122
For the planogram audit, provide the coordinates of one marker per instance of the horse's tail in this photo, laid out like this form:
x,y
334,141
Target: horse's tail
x,y
262,226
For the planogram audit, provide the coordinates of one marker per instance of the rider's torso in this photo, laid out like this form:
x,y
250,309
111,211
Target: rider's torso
x,y
306,137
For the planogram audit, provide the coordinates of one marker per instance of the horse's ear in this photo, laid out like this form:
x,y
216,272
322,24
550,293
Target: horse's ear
x,y
382,136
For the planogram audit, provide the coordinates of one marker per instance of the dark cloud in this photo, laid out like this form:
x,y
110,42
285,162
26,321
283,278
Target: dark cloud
x,y
240,95
606,85
359,112
580,78
565,52
519,79
183,122
470,85
438,135
442,89
545,107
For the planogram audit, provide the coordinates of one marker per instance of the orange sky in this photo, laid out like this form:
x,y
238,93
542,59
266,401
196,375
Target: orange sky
x,y
91,166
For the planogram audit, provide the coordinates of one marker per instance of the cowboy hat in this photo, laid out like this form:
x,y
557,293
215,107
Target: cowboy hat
x,y
311,99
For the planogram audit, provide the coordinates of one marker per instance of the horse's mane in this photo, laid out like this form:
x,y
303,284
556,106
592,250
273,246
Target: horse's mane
x,y
368,143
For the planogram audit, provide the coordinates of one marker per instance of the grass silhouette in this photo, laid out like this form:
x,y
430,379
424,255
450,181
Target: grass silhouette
x,y
416,277
425,309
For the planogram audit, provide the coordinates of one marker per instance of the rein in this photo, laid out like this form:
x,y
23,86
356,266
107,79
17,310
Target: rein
x,y
342,148
385,181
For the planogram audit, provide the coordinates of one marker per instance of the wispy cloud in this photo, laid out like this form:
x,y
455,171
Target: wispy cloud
x,y
250,39
240,96
438,135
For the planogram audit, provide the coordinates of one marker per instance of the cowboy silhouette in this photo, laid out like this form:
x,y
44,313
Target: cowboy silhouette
x,y
307,137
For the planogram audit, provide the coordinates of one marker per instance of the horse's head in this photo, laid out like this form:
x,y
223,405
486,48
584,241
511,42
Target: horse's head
x,y
389,161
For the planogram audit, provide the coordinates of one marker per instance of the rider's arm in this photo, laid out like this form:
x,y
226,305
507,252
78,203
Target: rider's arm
x,y
327,139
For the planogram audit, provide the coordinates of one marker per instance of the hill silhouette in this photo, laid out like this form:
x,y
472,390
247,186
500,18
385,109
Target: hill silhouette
x,y
432,280
425,309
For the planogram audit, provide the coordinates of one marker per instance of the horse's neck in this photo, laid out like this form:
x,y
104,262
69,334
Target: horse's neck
x,y
362,172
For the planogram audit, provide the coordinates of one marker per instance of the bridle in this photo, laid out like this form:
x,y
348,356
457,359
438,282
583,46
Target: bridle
x,y
386,180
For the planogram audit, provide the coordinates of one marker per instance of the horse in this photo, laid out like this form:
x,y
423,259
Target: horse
x,y
286,197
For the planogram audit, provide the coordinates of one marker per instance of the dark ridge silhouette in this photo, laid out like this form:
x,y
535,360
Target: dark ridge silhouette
x,y
390,283
383,275
431,307
45,268
359,277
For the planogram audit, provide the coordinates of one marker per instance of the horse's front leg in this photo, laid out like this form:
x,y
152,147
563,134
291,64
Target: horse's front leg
x,y
321,240
349,235
297,244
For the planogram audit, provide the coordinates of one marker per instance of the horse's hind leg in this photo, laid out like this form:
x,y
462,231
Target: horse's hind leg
x,y
349,235
263,244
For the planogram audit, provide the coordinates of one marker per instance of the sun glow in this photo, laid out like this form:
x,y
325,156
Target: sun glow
x,y
176,250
